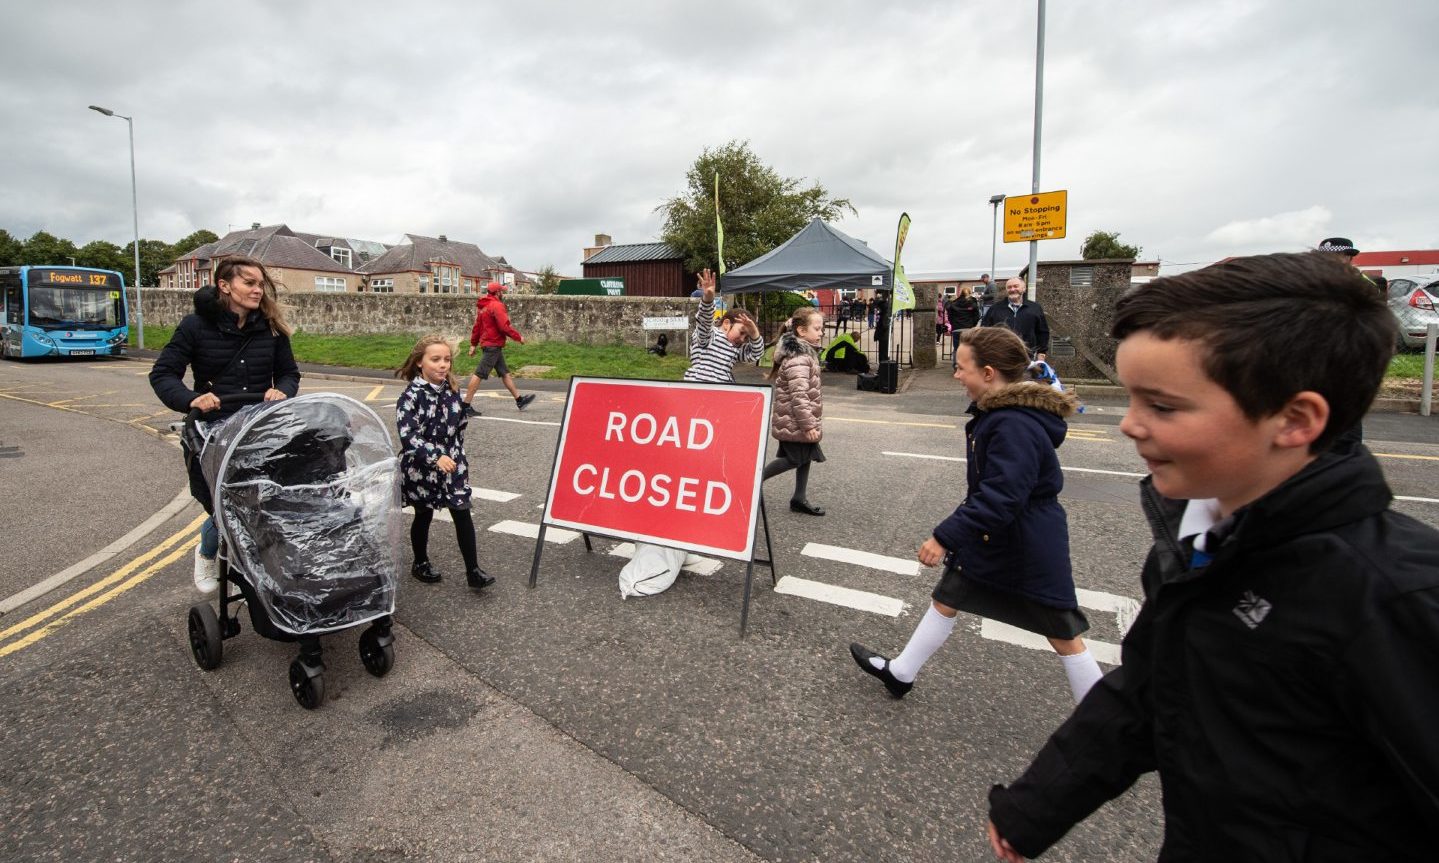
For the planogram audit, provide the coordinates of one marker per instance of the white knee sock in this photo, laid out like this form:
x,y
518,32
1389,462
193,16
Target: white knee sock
x,y
934,628
1082,671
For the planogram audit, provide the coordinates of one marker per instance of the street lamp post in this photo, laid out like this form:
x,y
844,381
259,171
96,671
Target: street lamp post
x,y
994,202
135,212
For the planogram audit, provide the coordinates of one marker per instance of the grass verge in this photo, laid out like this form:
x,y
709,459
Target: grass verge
x,y
388,351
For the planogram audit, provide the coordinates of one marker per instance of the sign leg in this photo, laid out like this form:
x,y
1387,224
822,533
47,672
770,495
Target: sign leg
x,y
539,548
768,545
744,609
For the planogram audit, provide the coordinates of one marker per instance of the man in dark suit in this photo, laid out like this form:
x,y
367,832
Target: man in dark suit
x,y
1023,316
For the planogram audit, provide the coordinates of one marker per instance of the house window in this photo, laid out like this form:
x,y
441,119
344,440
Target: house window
x,y
424,284
382,286
340,255
329,284
447,279
469,286
1081,277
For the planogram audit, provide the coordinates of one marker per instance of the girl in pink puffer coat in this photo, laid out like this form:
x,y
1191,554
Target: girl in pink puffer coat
x,y
797,406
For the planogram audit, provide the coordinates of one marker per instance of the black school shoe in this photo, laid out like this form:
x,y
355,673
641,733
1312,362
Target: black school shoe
x,y
524,401
805,507
424,572
469,409
897,688
478,579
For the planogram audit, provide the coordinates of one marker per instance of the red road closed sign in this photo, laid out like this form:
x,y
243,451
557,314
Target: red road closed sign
x,y
671,463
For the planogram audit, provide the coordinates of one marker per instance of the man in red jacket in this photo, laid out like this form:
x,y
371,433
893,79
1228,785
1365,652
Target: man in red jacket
x,y
492,327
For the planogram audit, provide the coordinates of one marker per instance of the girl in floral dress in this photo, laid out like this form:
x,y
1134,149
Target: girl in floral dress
x,y
433,470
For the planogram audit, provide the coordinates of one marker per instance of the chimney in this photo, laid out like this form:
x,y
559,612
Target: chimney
x,y
444,239
601,242
254,226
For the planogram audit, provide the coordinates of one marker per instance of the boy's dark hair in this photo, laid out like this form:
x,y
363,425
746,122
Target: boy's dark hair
x,y
1272,326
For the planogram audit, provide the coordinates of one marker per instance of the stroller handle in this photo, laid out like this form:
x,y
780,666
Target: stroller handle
x,y
196,414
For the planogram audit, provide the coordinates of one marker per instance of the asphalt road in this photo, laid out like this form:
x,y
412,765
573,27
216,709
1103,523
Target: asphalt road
x,y
563,723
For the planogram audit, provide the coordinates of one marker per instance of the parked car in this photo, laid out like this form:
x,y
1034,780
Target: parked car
x,y
1413,300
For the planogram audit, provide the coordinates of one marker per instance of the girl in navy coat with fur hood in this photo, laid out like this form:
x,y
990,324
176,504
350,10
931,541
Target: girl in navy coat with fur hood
x,y
1006,548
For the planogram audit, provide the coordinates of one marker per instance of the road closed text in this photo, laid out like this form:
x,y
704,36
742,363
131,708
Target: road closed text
x,y
658,490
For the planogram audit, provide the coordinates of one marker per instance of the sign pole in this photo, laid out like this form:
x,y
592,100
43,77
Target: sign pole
x,y
1038,122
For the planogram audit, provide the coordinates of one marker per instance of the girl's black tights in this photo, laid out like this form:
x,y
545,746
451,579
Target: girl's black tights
x,y
464,532
801,475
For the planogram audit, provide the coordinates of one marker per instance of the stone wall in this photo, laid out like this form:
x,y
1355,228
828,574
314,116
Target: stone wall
x,y
1079,316
542,318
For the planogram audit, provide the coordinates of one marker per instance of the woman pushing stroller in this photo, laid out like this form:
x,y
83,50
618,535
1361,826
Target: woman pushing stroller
x,y
236,343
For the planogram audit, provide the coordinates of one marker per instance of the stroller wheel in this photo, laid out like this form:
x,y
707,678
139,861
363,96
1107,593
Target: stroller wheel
x,y
309,689
205,642
376,653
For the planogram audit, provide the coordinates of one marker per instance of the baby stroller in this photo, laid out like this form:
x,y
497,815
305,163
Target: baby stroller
x,y
305,494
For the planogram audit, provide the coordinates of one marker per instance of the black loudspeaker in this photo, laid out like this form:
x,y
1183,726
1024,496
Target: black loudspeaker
x,y
888,376
869,382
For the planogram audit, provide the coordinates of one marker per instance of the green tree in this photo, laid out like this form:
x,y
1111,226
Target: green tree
x,y
12,251
46,248
759,208
101,254
154,257
192,242
1104,244
549,282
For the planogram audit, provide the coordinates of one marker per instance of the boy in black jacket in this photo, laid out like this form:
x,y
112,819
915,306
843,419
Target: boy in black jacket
x,y
1283,674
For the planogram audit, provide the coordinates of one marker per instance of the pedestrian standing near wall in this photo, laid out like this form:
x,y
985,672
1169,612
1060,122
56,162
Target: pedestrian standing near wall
x,y
1025,317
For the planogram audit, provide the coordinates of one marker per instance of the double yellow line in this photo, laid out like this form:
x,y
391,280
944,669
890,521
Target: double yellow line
x,y
131,574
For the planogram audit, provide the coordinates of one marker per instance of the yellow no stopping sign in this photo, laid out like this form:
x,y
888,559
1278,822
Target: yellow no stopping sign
x,y
1039,216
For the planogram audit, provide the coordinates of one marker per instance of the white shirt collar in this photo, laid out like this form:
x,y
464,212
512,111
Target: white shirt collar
x,y
1199,517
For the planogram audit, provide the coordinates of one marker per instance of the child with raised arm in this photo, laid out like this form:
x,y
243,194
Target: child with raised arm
x,y
713,355
1006,548
1282,675
433,470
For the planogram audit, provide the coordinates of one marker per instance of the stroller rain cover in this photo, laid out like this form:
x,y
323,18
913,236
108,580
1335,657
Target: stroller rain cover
x,y
306,495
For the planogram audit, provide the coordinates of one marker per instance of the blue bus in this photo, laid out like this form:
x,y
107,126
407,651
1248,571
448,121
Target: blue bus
x,y
62,312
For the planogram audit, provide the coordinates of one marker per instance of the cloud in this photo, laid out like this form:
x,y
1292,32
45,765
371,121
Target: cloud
x,y
1304,227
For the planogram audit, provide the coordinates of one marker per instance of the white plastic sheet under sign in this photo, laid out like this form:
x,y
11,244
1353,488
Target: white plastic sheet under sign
x,y
651,570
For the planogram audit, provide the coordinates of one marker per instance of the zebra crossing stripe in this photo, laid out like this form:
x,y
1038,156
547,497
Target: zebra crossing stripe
x,y
843,596
861,558
529,530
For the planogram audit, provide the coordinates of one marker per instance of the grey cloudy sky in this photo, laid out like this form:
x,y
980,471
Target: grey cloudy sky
x,y
1195,130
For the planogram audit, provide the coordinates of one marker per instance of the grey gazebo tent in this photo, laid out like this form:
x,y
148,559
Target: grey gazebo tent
x,y
817,258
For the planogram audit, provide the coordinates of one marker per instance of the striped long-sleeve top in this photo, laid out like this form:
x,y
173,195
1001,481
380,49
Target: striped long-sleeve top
x,y
712,356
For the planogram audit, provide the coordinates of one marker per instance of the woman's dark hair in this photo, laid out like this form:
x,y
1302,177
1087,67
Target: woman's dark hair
x,y
269,303
999,348
1272,326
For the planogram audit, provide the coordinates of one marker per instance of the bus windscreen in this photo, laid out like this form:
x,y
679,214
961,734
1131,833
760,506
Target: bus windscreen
x,y
74,308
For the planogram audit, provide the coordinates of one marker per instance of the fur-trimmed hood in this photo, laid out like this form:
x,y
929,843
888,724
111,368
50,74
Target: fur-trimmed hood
x,y
791,345
1030,394
1044,404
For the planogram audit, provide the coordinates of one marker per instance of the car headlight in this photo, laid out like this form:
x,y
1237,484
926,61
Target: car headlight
x,y
115,340
45,340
